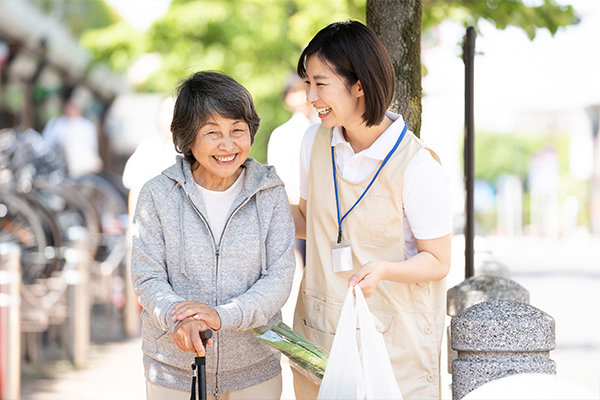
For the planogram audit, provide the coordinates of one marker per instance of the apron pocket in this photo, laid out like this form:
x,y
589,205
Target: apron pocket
x,y
321,315
375,224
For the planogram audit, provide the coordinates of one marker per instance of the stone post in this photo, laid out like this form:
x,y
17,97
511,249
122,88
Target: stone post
x,y
499,338
477,289
492,268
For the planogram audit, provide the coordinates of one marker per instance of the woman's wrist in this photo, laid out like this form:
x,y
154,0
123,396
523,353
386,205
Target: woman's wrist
x,y
383,269
391,271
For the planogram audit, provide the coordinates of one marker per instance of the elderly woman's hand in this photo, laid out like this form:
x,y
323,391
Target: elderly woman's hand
x,y
199,312
187,336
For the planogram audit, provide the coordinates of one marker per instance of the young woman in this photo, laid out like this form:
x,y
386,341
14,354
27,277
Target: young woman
x,y
374,209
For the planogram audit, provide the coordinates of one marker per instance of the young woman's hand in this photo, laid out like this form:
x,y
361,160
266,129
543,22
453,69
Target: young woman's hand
x,y
368,277
197,311
187,336
431,263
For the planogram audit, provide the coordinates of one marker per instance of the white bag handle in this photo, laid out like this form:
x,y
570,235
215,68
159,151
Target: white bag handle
x,y
352,376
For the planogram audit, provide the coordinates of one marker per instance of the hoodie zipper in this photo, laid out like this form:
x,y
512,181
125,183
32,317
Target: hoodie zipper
x,y
218,343
217,254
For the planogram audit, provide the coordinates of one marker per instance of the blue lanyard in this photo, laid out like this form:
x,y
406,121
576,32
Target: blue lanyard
x,y
337,202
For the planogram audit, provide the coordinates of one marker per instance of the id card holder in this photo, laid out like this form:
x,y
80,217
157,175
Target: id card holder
x,y
341,255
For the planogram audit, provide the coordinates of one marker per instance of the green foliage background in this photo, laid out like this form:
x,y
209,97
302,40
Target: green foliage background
x,y
258,42
79,16
498,154
502,13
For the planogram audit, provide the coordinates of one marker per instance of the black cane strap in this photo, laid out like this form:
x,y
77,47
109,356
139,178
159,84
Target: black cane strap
x,y
193,396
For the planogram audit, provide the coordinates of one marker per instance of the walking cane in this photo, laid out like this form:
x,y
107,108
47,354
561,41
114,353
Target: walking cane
x,y
199,368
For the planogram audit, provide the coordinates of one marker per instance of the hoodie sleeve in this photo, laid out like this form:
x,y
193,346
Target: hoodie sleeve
x,y
148,262
265,298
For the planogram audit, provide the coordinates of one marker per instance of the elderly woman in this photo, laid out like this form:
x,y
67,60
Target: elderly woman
x,y
212,248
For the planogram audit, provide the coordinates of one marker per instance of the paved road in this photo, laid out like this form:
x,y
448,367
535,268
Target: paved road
x,y
562,276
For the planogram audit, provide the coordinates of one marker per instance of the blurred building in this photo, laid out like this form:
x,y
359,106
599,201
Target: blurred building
x,y
42,65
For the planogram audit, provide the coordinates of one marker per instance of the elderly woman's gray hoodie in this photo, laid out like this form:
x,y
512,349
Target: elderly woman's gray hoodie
x,y
247,277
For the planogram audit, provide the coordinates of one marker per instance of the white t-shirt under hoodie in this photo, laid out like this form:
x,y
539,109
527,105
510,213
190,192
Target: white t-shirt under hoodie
x,y
218,205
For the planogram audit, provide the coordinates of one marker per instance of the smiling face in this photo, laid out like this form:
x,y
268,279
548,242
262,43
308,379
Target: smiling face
x,y
220,147
326,91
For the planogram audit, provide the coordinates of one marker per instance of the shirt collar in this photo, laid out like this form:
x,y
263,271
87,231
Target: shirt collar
x,y
384,143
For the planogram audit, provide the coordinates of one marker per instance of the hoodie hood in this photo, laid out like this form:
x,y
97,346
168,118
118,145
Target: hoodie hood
x,y
258,176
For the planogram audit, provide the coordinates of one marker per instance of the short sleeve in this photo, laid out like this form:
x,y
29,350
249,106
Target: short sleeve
x,y
427,197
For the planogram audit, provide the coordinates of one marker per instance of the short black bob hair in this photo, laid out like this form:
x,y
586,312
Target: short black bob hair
x,y
203,95
355,53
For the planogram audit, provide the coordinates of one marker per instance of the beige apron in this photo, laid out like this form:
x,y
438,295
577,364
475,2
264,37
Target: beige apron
x,y
410,316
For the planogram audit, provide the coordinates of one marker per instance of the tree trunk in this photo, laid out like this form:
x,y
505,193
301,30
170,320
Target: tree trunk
x,y
397,23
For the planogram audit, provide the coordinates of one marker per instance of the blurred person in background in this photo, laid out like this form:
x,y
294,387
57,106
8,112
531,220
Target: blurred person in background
x,y
154,154
76,137
283,151
213,247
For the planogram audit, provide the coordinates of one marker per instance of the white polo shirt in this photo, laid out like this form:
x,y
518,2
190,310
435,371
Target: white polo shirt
x,y
426,194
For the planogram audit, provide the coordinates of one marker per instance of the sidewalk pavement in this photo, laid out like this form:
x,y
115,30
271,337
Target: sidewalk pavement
x,y
562,276
114,371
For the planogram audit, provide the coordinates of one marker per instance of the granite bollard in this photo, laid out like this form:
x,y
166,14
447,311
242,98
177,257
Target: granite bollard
x,y
492,268
498,338
478,289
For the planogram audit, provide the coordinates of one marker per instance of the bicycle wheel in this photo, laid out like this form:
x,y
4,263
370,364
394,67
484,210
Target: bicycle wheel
x,y
70,208
112,212
54,250
21,225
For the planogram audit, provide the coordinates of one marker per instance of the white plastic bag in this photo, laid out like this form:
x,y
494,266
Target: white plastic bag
x,y
350,375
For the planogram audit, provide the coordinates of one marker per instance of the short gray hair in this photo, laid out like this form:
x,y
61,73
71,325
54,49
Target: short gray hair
x,y
203,95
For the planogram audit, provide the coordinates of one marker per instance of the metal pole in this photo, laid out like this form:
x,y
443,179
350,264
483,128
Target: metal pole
x,y
10,321
469,232
76,274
